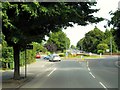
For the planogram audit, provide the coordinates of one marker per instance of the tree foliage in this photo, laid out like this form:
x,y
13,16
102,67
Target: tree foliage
x,y
73,47
80,44
60,40
92,39
102,46
115,21
50,46
110,40
26,21
38,47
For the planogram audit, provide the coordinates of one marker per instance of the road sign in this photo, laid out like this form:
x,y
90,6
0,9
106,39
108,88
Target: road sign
x,y
29,47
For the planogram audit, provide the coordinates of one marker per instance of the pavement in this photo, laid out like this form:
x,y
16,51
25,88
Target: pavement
x,y
32,71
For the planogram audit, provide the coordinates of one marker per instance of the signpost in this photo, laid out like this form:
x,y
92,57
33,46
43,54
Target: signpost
x,y
27,47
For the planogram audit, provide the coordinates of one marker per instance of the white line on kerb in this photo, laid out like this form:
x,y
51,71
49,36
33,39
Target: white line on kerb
x,y
51,72
92,75
88,68
102,84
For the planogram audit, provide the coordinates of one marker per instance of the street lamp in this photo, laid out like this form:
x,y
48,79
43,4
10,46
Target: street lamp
x,y
110,40
110,45
66,50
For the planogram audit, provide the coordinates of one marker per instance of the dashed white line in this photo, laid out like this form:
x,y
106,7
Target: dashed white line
x,y
92,75
88,68
51,72
87,63
102,85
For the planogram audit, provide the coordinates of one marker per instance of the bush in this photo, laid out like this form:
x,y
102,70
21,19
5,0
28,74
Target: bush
x,y
86,55
62,55
7,54
100,51
8,60
7,57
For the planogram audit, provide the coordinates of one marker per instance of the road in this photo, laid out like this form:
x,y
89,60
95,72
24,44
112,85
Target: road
x,y
96,73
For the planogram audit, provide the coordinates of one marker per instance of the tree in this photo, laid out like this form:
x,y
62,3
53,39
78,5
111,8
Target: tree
x,y
73,47
109,38
38,47
80,44
50,46
92,39
60,40
24,22
102,47
115,21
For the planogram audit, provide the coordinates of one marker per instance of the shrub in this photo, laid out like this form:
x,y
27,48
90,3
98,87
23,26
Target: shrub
x,y
62,55
100,51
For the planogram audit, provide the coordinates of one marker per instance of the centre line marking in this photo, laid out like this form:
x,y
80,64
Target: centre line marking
x,y
51,72
102,84
88,68
87,63
92,75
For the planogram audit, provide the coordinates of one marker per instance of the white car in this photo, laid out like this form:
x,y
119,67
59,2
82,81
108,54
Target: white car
x,y
54,57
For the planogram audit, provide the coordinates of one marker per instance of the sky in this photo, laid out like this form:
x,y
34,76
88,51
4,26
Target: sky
x,y
78,32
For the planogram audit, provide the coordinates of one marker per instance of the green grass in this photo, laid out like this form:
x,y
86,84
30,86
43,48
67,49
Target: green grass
x,y
91,57
85,57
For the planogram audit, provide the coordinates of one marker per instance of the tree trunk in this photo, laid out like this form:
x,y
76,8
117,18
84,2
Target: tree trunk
x,y
16,62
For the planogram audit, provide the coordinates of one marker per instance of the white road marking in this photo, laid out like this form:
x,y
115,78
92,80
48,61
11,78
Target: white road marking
x,y
43,66
102,84
92,75
88,68
87,63
51,72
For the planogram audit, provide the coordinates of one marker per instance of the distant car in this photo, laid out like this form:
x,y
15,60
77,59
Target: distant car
x,y
38,56
47,57
54,57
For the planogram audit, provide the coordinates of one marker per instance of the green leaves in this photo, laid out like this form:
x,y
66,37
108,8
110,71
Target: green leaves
x,y
115,21
60,40
91,40
97,41
102,46
34,20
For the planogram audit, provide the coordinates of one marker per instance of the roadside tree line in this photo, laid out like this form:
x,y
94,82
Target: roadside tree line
x,y
97,41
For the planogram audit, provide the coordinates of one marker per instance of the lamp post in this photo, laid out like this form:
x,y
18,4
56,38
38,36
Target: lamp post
x,y
110,41
66,50
110,45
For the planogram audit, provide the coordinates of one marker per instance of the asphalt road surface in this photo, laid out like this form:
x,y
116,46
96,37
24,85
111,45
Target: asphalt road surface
x,y
96,73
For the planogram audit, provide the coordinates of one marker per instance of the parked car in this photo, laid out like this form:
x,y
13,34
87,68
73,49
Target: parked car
x,y
38,56
54,57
